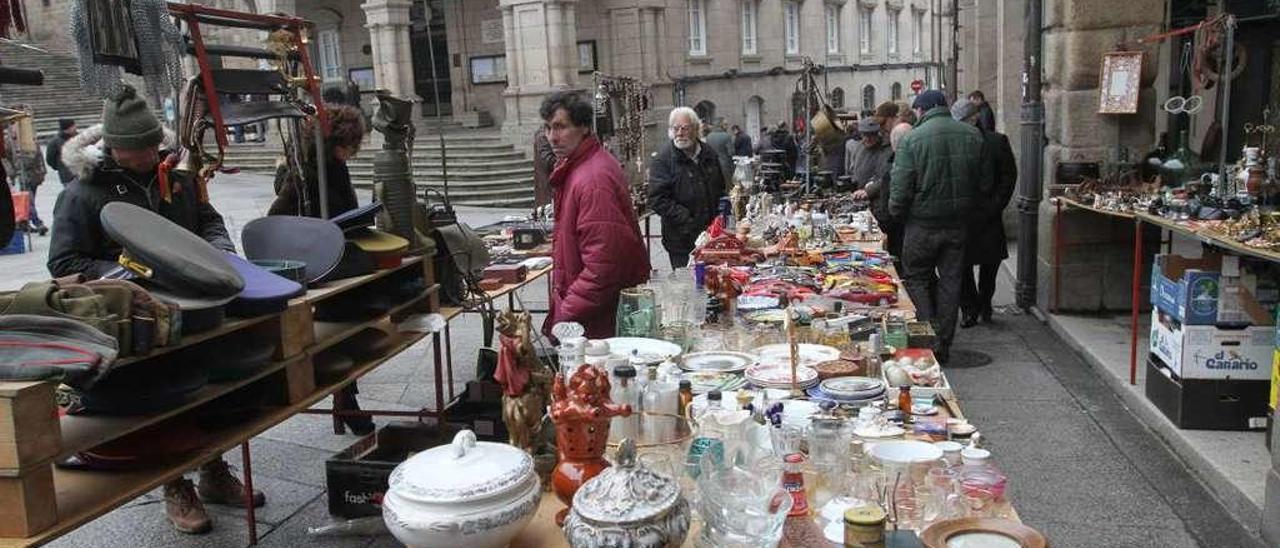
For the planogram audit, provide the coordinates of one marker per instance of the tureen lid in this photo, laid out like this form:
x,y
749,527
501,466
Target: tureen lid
x,y
626,493
462,471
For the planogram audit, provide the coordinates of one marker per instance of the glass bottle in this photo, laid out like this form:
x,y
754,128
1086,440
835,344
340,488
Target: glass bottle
x,y
708,440
660,402
686,397
623,391
904,402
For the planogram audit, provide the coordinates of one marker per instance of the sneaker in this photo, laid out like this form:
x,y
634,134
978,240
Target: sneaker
x,y
218,486
183,508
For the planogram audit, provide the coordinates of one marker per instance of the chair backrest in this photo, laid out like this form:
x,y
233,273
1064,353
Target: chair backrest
x,y
248,81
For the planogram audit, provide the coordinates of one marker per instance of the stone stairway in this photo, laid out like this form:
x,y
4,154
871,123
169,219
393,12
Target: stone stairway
x,y
483,169
59,97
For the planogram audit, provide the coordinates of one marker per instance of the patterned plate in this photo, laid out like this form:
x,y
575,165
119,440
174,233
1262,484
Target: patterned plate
x,y
810,354
778,376
721,361
853,387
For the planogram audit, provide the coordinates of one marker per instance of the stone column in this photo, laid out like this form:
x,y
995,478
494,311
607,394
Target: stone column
x,y
542,45
388,24
1097,252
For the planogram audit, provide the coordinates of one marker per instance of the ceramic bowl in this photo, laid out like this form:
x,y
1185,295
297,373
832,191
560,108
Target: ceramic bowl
x,y
467,493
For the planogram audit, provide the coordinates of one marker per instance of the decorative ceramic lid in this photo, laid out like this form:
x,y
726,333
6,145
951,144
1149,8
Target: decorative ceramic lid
x,y
626,493
462,471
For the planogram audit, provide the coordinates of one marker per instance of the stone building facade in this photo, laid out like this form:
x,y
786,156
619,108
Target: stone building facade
x,y
736,60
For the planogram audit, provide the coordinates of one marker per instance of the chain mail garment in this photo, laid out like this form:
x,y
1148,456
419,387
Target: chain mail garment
x,y
159,44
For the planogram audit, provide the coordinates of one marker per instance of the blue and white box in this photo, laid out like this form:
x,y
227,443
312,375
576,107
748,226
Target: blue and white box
x,y
1212,352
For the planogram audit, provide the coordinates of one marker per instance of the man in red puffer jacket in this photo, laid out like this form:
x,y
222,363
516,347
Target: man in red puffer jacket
x,y
597,247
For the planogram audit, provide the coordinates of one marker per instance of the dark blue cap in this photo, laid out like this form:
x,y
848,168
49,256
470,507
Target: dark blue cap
x,y
264,292
930,99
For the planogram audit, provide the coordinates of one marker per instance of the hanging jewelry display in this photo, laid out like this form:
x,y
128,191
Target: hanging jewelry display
x,y
624,100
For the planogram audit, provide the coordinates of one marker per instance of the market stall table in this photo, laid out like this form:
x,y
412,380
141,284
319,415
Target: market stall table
x,y
1194,230
542,532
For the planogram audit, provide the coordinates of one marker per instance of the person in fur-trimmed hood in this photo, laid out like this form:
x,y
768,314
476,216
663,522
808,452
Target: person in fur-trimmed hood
x,y
117,161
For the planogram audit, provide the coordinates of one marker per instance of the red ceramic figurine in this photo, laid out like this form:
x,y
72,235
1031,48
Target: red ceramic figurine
x,y
581,413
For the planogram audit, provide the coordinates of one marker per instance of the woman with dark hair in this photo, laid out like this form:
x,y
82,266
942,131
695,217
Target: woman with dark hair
x,y
346,131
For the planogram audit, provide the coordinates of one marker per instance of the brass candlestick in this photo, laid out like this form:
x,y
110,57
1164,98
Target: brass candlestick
x,y
789,324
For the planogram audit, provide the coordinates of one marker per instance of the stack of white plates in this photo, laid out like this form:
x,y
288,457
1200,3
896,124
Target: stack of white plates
x,y
779,376
649,350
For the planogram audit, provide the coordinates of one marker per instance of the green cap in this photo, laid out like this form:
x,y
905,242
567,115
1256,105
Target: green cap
x,y
128,123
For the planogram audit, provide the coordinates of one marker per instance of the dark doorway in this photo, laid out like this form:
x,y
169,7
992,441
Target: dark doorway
x,y
706,111
424,37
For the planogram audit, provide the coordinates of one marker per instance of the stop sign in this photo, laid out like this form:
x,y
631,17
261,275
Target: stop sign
x,y
917,85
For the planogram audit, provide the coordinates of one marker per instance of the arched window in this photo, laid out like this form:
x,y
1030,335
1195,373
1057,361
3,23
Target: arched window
x,y
706,111
895,91
837,98
755,117
869,97
797,111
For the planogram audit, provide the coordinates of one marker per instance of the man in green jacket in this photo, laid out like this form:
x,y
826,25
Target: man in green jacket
x,y
936,179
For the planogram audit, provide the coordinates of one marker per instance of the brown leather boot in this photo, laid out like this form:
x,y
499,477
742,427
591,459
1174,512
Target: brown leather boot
x,y
184,509
218,486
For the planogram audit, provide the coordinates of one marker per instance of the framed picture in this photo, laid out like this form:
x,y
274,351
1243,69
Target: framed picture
x,y
363,77
1121,77
587,57
489,69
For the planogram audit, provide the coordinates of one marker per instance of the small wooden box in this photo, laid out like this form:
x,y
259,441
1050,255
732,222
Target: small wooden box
x,y
30,433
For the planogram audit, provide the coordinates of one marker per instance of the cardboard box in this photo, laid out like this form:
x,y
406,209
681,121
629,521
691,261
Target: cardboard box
x,y
1191,291
1275,377
1211,352
356,478
1206,404
1187,288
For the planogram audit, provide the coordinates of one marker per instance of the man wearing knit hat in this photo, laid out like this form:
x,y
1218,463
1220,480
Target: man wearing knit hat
x,y
937,175
53,150
117,162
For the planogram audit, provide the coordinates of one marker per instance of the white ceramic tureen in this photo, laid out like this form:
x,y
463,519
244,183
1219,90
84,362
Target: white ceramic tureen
x,y
467,493
628,505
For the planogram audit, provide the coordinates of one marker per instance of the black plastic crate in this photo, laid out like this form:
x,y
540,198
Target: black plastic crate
x,y
1207,404
357,477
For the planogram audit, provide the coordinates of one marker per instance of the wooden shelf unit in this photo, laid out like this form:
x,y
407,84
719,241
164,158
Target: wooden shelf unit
x,y
40,502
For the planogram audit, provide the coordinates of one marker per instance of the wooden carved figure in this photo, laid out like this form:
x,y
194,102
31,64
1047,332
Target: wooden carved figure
x,y
526,382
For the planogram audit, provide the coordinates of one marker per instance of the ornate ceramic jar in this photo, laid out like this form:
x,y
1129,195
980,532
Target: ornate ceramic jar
x,y
468,493
581,410
628,505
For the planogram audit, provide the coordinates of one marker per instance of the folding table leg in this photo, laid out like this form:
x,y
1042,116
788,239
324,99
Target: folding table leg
x,y
1135,302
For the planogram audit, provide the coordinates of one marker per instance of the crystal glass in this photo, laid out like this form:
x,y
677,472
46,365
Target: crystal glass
x,y
741,506
637,313
828,440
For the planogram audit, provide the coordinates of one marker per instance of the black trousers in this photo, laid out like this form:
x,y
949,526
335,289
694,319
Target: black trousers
x,y
975,298
933,267
679,259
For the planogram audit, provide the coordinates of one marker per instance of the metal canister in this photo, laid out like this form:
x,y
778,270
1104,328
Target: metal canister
x,y
876,344
864,527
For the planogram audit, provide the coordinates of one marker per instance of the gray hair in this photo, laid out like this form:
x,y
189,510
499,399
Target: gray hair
x,y
687,112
